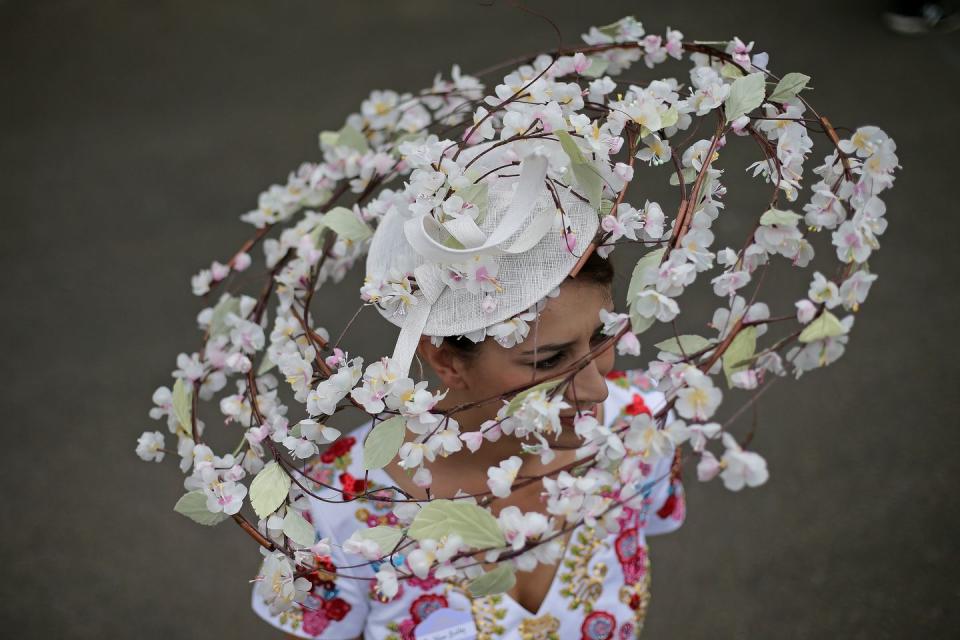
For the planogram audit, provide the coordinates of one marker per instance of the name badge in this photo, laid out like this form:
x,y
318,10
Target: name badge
x,y
447,624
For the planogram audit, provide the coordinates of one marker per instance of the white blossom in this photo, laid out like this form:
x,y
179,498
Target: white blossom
x,y
500,479
150,446
741,468
277,586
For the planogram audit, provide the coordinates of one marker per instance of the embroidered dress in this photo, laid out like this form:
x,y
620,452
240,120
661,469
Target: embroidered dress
x,y
600,591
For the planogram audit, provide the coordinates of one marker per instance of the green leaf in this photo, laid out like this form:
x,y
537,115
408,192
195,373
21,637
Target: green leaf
x,y
606,206
476,194
597,68
583,170
746,94
518,399
265,365
441,518
329,138
218,322
644,273
789,86
780,217
182,405
731,71
638,323
826,325
690,344
453,243
269,489
383,442
296,527
410,135
669,117
385,536
499,580
194,506
346,224
689,175
350,137
613,29
743,346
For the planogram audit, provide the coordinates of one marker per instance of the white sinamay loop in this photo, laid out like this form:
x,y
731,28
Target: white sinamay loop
x,y
431,286
533,170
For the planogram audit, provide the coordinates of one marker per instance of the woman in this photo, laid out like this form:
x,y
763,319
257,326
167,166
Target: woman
x,y
495,284
600,589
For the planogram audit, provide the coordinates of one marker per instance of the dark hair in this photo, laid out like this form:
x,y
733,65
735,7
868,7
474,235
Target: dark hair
x,y
595,270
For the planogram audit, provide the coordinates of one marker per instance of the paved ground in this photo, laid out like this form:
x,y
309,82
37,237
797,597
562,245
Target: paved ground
x,y
134,134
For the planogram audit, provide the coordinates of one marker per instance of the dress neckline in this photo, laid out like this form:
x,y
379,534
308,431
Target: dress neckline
x,y
609,416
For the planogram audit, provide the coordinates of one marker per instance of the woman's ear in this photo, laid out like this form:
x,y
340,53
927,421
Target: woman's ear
x,y
447,365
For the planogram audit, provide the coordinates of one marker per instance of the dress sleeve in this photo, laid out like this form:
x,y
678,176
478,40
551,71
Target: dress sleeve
x,y
337,606
667,504
631,393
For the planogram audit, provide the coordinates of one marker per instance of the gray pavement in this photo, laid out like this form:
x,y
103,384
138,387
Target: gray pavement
x,y
132,135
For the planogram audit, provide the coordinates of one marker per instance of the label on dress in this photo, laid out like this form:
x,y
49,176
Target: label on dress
x,y
447,624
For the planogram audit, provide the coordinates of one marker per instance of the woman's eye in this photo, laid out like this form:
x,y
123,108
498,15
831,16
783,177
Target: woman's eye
x,y
548,363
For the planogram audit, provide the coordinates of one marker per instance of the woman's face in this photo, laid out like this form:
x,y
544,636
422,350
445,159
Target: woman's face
x,y
569,327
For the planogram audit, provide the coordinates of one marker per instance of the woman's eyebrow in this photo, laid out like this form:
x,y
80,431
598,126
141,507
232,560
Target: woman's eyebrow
x,y
549,347
557,346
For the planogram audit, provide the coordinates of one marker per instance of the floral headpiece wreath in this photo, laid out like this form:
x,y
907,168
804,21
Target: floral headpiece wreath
x,y
566,113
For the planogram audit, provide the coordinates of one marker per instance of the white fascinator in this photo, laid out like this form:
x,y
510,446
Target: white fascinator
x,y
478,255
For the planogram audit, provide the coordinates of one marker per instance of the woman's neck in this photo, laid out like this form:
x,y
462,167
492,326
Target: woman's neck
x,y
467,470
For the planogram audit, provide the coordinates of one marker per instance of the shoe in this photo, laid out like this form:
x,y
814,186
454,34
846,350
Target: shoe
x,y
932,17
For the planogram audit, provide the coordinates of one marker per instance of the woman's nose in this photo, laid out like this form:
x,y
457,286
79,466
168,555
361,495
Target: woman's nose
x,y
588,387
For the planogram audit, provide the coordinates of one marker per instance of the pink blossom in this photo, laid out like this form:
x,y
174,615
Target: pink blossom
x,y
241,261
708,467
219,271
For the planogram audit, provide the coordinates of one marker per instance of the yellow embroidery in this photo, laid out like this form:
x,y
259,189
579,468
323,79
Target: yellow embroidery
x,y
488,612
583,584
543,628
488,616
292,617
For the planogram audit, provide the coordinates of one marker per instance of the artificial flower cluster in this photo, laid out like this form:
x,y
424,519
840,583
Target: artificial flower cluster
x,y
452,146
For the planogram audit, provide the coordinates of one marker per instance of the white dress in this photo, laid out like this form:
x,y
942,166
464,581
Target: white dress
x,y
599,591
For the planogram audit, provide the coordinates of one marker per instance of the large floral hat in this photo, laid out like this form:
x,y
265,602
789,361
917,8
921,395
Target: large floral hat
x,y
471,204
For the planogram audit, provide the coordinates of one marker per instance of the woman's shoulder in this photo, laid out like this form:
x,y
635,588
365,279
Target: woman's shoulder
x,y
338,477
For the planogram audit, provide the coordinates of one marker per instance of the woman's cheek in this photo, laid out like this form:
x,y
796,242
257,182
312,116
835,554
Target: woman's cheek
x,y
606,361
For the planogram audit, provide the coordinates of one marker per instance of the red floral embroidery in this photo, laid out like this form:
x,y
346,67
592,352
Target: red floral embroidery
x,y
426,604
616,375
321,577
336,608
626,630
315,621
669,505
599,625
631,554
637,407
406,629
351,486
337,449
423,583
680,512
